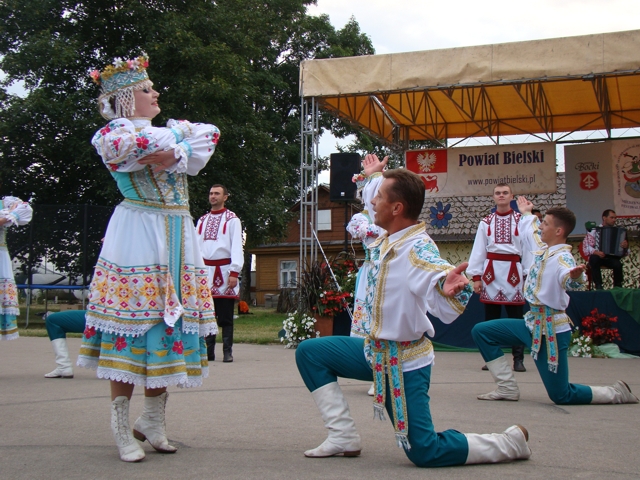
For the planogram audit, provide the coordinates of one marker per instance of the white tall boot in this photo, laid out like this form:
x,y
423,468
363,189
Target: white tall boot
x,y
129,448
498,447
151,424
343,439
619,392
63,370
503,376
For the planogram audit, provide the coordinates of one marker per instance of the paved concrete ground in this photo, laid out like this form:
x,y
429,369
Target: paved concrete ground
x,y
253,419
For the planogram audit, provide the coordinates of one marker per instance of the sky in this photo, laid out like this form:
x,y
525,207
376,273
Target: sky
x,y
412,25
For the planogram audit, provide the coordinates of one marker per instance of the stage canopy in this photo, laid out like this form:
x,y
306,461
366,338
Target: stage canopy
x,y
589,82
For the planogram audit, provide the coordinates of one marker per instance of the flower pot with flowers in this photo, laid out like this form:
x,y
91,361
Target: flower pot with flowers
x,y
596,329
325,294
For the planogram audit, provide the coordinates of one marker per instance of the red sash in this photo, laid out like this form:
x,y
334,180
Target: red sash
x,y
218,280
489,275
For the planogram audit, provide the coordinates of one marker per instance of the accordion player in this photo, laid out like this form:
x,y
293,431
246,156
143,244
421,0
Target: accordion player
x,y
609,240
604,246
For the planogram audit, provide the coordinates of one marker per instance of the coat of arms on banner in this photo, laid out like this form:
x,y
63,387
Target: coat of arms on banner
x,y
626,177
630,168
431,165
589,180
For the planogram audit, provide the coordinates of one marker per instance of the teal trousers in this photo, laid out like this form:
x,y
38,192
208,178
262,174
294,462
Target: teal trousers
x,y
492,335
322,360
60,323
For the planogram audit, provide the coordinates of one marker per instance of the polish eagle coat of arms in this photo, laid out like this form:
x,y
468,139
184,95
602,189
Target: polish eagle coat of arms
x,y
426,161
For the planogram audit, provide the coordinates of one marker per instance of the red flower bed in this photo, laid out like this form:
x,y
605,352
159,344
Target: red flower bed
x,y
599,327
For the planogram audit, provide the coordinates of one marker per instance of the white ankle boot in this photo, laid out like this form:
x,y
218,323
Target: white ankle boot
x,y
342,439
619,392
129,448
63,370
503,376
498,447
151,424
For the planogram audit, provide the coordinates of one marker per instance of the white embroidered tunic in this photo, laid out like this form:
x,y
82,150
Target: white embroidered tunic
x,y
497,259
548,279
150,269
404,283
219,237
17,213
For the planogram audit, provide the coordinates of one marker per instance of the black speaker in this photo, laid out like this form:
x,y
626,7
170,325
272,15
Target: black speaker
x,y
343,167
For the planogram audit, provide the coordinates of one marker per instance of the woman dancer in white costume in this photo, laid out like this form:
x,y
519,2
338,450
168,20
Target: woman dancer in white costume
x,y
149,306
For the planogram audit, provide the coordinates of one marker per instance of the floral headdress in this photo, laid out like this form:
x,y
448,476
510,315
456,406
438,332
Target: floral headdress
x,y
360,180
118,81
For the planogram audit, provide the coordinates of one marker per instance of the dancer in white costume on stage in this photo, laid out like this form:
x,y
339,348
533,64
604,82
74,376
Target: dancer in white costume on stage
x,y
498,264
13,212
362,227
149,306
545,328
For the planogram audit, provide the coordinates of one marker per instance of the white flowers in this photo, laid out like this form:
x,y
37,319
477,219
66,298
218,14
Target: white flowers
x,y
298,327
582,346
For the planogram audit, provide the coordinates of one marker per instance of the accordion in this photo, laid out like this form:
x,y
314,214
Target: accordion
x,y
608,240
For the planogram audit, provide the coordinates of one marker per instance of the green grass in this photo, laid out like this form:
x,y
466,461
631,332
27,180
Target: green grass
x,y
261,326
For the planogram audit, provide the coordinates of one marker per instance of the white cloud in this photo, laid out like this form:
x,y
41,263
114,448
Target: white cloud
x,y
409,25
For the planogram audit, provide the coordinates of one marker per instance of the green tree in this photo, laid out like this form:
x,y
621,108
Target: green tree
x,y
234,63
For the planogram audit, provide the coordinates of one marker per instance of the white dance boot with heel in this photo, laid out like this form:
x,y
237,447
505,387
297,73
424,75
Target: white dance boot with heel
x,y
151,424
129,448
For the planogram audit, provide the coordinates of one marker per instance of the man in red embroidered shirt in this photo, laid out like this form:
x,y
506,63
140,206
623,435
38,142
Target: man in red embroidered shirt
x,y
496,264
219,234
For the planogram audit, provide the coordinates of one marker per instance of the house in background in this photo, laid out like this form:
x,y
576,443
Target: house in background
x,y
277,265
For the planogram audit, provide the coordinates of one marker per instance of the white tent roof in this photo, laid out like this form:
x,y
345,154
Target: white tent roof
x,y
587,82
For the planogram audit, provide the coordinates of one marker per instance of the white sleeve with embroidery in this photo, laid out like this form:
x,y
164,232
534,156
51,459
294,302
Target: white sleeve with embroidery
x,y
426,277
362,228
16,211
370,190
195,147
530,236
478,252
566,263
237,254
120,146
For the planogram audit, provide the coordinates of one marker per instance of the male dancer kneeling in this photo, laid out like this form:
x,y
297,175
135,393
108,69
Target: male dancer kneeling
x,y
546,327
406,279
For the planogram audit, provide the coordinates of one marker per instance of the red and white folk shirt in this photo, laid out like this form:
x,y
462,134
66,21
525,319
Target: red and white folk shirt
x,y
500,258
219,235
